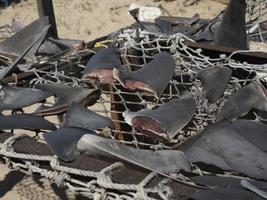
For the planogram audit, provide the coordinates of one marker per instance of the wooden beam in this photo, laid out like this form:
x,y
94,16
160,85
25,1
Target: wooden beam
x,y
214,51
45,8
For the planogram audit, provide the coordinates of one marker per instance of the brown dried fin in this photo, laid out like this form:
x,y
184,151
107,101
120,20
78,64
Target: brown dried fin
x,y
152,77
166,121
214,81
18,97
25,121
63,142
101,66
240,103
80,117
65,96
163,161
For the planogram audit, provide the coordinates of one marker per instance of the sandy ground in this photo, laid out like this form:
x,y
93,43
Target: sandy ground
x,y
89,19
12,194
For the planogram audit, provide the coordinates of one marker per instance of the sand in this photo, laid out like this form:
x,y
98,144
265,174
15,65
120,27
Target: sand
x,y
88,19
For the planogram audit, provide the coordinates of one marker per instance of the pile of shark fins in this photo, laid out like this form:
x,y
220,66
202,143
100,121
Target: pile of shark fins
x,y
235,142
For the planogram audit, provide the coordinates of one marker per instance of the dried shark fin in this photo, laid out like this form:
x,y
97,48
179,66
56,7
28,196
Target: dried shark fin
x,y
18,43
214,81
253,131
37,40
232,29
166,121
101,65
18,97
52,46
167,161
225,146
152,77
65,96
63,142
25,121
240,103
49,48
207,33
251,187
225,182
223,194
80,117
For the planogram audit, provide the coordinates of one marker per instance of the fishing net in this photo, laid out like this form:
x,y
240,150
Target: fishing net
x,y
137,48
257,20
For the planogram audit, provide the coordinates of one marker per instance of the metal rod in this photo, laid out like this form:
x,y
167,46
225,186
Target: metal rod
x,y
45,8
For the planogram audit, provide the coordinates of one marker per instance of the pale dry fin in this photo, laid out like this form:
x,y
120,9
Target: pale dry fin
x,y
25,121
214,81
248,185
241,102
63,142
208,32
225,146
232,30
165,121
18,97
152,77
101,65
65,96
163,161
80,117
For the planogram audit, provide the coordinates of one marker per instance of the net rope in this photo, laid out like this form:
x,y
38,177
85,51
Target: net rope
x,y
137,48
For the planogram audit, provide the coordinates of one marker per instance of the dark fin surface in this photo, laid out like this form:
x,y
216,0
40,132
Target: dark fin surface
x,y
152,77
232,30
65,96
166,161
18,97
63,142
214,81
223,194
241,102
19,42
225,146
80,117
25,121
30,48
225,182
